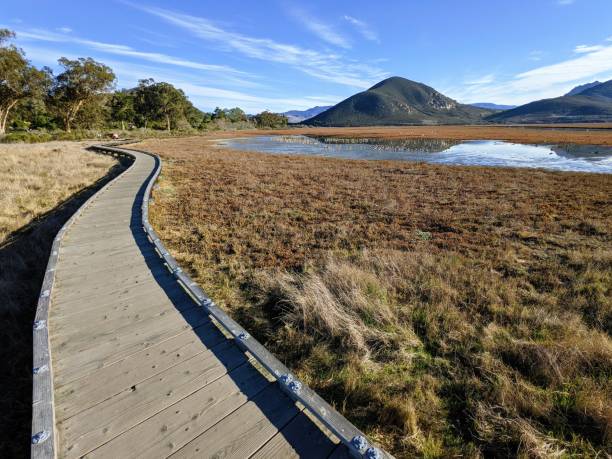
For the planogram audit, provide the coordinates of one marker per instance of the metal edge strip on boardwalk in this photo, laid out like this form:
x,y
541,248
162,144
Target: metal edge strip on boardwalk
x,y
43,441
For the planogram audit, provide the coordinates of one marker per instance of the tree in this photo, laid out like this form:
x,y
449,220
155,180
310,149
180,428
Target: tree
x,y
122,107
18,78
271,120
81,81
170,102
218,114
143,101
196,117
31,113
160,102
235,114
94,113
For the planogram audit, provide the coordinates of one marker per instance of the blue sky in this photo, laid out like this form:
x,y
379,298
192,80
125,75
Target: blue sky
x,y
282,55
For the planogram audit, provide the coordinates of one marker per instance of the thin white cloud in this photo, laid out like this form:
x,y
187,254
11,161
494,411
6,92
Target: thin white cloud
x,y
363,28
249,101
123,50
593,62
587,49
565,2
324,31
326,66
64,29
197,89
535,55
485,79
542,82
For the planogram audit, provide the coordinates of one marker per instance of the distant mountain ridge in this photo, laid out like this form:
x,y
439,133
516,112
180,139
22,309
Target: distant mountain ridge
x,y
397,101
593,104
491,106
297,116
583,87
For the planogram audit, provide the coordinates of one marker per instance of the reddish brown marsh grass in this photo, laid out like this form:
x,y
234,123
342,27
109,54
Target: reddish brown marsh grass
x,y
447,311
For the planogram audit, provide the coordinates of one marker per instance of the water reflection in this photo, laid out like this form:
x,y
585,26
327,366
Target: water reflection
x,y
570,157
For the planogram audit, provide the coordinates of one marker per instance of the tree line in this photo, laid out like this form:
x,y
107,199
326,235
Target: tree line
x,y
83,96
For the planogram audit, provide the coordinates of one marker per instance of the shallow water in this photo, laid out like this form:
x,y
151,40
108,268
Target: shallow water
x,y
569,157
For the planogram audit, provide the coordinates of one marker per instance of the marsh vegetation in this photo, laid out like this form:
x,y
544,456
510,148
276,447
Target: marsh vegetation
x,y
447,311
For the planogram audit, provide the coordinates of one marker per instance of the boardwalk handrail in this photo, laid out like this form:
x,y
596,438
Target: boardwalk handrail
x,y
43,441
43,429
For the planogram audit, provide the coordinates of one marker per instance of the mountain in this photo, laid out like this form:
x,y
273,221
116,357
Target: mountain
x,y
590,105
582,87
297,116
397,100
491,106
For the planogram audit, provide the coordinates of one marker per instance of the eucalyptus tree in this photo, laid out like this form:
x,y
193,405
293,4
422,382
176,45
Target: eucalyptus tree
x,y
160,102
122,107
170,103
18,78
235,114
83,80
143,101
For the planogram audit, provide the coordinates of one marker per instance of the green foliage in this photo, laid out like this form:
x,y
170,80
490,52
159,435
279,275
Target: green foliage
x,y
34,113
164,103
83,80
122,109
268,119
26,137
233,115
197,119
6,34
18,78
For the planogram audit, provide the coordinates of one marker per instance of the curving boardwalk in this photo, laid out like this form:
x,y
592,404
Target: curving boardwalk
x,y
132,359
139,368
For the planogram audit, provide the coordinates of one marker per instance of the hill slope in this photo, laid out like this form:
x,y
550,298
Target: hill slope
x,y
583,87
397,100
589,105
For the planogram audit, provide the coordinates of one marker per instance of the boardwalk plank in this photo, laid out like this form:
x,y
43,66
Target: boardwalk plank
x,y
302,437
84,295
245,430
141,293
99,324
93,427
71,363
172,428
85,392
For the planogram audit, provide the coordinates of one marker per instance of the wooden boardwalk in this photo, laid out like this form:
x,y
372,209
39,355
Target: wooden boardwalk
x,y
140,369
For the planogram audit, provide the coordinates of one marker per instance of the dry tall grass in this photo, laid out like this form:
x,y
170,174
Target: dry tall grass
x,y
36,178
447,311
40,187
